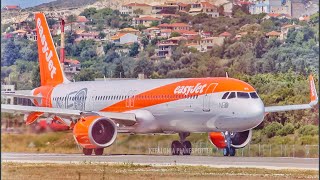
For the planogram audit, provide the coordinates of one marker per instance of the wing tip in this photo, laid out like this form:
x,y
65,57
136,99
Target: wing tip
x,y
313,91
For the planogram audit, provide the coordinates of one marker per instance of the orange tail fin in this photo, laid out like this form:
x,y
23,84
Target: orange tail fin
x,y
51,72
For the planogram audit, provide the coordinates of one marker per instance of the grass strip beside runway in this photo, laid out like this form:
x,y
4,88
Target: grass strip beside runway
x,y
88,170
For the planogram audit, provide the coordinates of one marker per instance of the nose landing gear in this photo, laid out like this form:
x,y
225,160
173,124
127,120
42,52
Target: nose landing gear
x,y
181,147
229,150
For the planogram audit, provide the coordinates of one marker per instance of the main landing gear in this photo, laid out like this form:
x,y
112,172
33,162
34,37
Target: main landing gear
x,y
229,150
181,147
88,152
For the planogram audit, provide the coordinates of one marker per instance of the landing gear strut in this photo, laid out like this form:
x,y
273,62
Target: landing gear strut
x,y
181,147
229,150
88,152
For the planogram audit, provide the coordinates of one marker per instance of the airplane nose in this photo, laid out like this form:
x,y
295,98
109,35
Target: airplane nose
x,y
257,113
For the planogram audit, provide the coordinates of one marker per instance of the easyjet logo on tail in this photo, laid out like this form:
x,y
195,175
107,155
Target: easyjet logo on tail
x,y
45,50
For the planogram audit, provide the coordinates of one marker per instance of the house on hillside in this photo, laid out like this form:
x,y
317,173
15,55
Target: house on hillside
x,y
133,8
124,38
72,66
165,49
273,34
129,30
82,35
259,6
146,21
166,8
175,26
11,8
207,44
204,7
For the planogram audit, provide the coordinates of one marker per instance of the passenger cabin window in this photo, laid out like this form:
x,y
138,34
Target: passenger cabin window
x,y
225,95
254,95
243,95
232,95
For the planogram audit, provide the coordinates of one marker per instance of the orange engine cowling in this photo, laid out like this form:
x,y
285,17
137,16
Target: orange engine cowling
x,y
217,138
95,132
239,139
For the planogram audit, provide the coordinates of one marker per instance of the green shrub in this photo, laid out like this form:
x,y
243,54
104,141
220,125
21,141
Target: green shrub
x,y
272,129
309,130
308,140
285,130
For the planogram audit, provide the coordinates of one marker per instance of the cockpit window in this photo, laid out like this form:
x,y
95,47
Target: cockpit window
x,y
243,95
232,95
225,95
254,95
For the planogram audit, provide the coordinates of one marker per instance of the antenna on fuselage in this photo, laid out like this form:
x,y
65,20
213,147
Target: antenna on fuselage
x,y
227,76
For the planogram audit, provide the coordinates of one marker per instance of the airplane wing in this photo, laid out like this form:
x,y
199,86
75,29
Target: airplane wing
x,y
127,119
313,97
20,94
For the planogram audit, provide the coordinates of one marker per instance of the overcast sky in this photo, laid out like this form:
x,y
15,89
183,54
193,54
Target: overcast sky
x,y
23,3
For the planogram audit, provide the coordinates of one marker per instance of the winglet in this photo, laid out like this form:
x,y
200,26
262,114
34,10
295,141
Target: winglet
x,y
313,92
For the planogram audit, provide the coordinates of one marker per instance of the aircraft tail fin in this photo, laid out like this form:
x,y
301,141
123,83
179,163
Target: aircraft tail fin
x,y
51,72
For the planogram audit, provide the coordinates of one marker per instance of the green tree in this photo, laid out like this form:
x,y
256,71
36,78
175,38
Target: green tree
x,y
134,50
85,75
272,129
119,71
154,23
10,53
143,66
144,41
71,19
36,77
89,12
175,34
107,47
102,35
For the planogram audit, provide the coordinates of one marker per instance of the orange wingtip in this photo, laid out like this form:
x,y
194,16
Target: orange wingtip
x,y
313,92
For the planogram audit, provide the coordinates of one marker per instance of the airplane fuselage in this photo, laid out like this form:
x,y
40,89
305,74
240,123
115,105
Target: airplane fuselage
x,y
166,105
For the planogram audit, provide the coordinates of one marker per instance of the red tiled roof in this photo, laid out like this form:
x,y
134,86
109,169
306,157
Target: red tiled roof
x,y
10,7
225,34
166,31
82,19
148,18
136,4
174,25
207,5
273,33
186,32
245,2
273,14
182,4
73,61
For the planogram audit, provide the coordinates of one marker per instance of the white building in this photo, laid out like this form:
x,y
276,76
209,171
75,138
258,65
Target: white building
x,y
124,38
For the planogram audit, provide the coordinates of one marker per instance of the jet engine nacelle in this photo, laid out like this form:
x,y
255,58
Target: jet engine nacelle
x,y
239,139
95,132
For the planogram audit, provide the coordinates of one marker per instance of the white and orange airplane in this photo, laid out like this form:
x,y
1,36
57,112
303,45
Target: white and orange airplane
x,y
228,109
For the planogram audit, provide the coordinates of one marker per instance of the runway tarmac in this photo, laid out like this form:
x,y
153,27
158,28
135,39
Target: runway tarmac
x,y
222,162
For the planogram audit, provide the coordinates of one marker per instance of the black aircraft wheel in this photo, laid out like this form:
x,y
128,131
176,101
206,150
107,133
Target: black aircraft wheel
x,y
87,151
226,151
98,151
232,151
187,148
176,148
